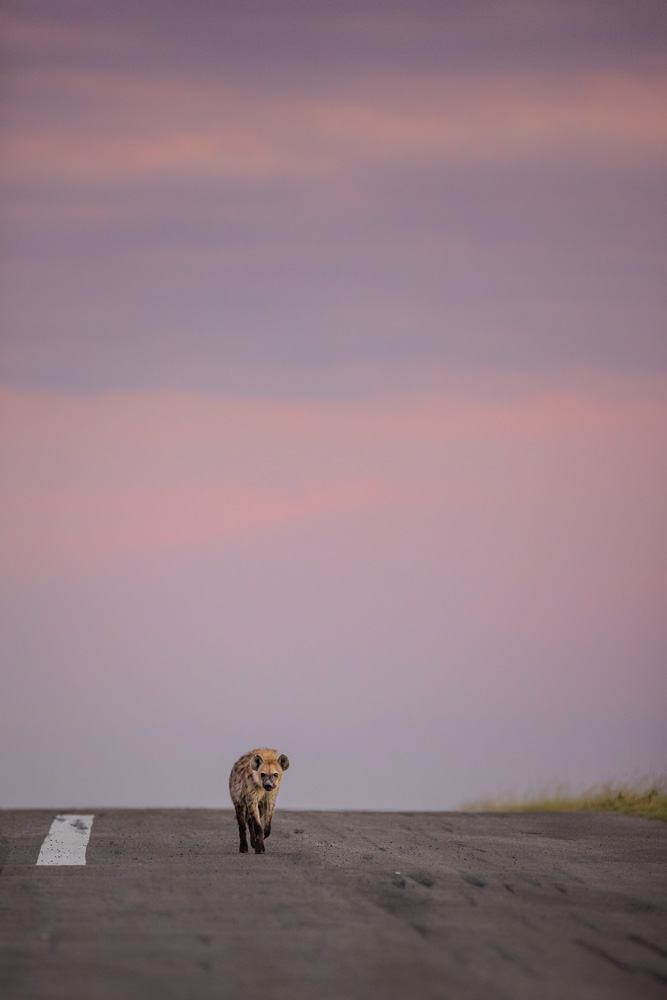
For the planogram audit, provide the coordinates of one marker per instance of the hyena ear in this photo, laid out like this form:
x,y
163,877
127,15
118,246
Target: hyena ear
x,y
256,762
283,760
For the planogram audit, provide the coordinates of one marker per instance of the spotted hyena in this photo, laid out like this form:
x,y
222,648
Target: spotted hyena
x,y
253,786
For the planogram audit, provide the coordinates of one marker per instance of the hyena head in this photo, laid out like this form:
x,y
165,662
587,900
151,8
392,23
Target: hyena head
x,y
267,769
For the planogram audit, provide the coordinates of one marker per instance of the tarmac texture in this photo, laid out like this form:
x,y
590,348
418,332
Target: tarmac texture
x,y
343,906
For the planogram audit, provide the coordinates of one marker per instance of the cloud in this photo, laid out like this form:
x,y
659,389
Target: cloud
x,y
92,480
74,528
39,37
134,129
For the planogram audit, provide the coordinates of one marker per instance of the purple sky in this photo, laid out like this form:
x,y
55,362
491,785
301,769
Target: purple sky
x,y
332,398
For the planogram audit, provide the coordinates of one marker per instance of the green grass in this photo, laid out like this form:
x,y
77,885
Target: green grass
x,y
647,798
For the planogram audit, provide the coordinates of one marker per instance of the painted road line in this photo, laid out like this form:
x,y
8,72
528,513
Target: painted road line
x,y
66,841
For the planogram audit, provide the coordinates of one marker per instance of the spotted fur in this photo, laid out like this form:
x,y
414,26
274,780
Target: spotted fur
x,y
253,786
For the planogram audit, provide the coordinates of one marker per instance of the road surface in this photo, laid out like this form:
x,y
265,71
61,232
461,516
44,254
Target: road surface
x,y
343,906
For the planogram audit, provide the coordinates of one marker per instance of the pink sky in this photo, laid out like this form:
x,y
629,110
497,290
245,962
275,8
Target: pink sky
x,y
431,570
332,398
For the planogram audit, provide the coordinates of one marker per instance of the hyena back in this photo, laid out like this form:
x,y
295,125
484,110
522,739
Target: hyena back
x,y
253,786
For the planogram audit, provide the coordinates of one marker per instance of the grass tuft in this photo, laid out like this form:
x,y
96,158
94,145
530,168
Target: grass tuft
x,y
645,797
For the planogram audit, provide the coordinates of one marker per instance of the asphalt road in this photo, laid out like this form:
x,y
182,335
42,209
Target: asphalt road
x,y
344,905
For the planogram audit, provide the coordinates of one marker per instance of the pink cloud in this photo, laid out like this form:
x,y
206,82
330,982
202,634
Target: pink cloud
x,y
41,37
88,480
69,528
161,126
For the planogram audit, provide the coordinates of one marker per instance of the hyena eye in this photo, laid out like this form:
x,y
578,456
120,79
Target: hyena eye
x,y
275,774
263,775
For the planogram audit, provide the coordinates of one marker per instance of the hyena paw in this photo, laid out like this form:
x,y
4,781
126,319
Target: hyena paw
x,y
243,849
260,849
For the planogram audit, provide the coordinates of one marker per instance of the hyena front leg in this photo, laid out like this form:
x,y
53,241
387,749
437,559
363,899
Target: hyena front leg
x,y
256,832
241,820
268,816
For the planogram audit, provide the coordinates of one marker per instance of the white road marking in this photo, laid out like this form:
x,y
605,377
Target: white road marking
x,y
66,841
